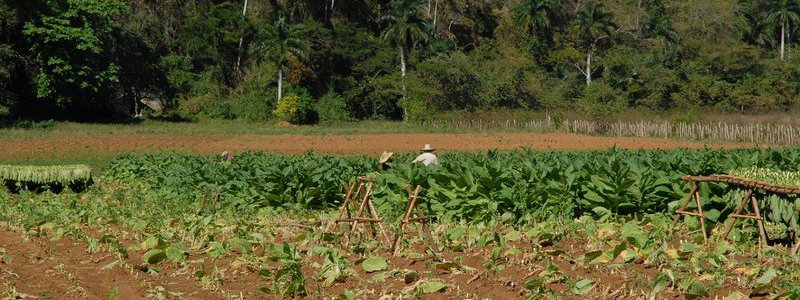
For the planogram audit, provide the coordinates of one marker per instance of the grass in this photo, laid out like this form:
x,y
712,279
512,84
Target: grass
x,y
217,127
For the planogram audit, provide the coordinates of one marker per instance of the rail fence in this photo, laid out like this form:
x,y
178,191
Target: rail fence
x,y
765,134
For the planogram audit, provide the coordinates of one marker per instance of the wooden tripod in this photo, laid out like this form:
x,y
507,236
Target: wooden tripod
x,y
756,215
408,218
694,193
748,197
360,191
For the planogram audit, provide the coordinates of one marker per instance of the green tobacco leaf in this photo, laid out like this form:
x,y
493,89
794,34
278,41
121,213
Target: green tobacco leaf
x,y
657,285
612,254
696,290
767,276
374,263
429,287
456,233
177,252
582,286
513,236
735,295
589,257
154,256
241,245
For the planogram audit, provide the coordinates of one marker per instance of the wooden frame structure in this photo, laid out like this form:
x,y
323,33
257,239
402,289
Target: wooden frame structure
x,y
409,217
749,186
360,191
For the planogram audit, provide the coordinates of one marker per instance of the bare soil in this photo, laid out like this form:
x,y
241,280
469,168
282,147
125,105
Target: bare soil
x,y
78,146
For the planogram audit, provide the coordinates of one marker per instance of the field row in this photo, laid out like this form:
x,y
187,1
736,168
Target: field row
x,y
515,224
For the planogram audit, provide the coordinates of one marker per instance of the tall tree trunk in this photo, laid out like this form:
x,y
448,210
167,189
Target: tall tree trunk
x,y
241,39
280,84
783,35
329,11
403,77
428,10
589,67
435,10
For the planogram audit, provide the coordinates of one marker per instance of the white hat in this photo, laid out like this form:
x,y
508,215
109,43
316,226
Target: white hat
x,y
428,148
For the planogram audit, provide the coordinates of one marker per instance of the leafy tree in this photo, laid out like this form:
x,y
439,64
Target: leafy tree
x,y
71,46
405,27
594,24
533,14
662,27
783,13
278,42
757,32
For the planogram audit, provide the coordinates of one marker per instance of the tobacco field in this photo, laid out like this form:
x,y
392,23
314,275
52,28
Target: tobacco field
x,y
505,225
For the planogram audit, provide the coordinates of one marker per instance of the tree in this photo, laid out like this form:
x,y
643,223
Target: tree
x,y
594,24
278,42
533,14
72,56
405,27
783,13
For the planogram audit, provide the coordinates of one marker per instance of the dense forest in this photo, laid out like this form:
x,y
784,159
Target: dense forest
x,y
327,60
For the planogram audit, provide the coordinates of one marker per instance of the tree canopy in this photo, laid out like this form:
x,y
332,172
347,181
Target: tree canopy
x,y
394,59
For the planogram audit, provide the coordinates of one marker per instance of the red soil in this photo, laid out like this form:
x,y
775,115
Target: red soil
x,y
72,146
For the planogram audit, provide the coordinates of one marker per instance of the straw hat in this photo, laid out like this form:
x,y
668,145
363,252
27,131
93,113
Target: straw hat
x,y
428,148
385,156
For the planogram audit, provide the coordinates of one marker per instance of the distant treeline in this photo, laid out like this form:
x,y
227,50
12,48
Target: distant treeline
x,y
325,60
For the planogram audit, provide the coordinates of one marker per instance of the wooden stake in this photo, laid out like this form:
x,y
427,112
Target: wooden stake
x,y
737,212
701,216
684,205
760,223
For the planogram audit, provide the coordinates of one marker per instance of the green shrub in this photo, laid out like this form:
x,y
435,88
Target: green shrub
x,y
254,97
295,109
332,107
418,110
600,101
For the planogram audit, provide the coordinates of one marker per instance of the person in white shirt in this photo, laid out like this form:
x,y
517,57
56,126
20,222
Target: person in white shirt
x,y
427,157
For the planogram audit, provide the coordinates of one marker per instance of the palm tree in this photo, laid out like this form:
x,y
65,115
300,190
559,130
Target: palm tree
x,y
278,42
593,24
533,14
756,32
662,27
405,27
783,13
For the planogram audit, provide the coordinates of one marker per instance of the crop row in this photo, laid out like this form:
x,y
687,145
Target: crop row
x,y
523,185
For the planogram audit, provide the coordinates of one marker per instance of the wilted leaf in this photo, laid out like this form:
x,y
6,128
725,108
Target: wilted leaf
x,y
374,263
429,287
177,252
696,290
154,256
582,286
410,276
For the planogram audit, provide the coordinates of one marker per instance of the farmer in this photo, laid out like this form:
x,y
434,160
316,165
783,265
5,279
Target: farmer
x,y
227,157
427,157
386,158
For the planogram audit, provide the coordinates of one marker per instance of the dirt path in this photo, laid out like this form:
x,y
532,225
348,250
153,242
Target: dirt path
x,y
73,146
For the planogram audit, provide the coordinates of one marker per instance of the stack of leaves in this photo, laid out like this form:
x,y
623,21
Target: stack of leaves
x,y
769,175
63,174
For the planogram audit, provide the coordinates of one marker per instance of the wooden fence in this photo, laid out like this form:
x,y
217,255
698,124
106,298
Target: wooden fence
x,y
763,134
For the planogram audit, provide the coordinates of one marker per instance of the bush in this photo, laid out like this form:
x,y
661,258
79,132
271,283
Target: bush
x,y
600,101
295,109
332,107
254,97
